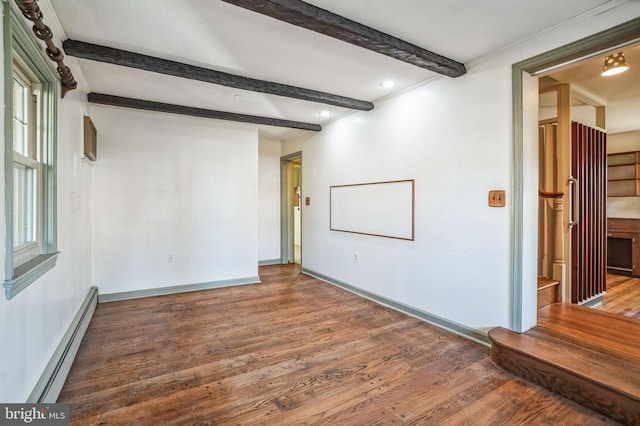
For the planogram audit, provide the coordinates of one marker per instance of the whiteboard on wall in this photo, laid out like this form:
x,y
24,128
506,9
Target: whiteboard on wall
x,y
381,209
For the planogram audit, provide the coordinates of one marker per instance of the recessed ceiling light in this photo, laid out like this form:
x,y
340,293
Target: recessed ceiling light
x,y
324,113
388,84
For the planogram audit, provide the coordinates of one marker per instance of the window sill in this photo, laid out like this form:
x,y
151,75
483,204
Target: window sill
x,y
29,272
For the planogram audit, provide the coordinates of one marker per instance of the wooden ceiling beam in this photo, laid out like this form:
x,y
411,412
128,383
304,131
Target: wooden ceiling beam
x,y
125,58
119,101
311,17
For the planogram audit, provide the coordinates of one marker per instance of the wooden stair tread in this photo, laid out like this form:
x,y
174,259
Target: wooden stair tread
x,y
595,329
615,374
584,354
547,291
544,282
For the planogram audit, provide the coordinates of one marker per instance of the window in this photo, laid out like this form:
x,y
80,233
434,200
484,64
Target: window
x,y
27,176
30,141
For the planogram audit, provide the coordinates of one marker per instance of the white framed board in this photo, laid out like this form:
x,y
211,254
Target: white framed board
x,y
381,209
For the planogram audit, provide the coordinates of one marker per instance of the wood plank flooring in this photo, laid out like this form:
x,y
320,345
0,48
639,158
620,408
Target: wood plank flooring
x,y
290,351
623,296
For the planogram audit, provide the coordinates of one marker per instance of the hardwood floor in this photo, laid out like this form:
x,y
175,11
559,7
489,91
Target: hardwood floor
x,y
623,296
292,350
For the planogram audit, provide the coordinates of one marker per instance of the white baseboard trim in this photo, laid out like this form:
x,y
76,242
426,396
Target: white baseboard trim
x,y
459,329
55,373
161,291
270,262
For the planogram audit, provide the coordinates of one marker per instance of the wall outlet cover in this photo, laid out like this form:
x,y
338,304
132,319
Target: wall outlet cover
x,y
497,198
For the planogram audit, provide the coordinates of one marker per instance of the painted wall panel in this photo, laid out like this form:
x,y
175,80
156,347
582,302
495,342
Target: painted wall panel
x,y
175,201
269,199
445,136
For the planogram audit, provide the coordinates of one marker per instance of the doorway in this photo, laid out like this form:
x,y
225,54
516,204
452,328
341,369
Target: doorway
x,y
525,78
579,96
611,104
291,208
572,190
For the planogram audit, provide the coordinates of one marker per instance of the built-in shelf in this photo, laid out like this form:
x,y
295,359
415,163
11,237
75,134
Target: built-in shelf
x,y
623,174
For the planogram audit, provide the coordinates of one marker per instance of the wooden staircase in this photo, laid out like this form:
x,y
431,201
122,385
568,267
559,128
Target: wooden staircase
x,y
548,291
584,354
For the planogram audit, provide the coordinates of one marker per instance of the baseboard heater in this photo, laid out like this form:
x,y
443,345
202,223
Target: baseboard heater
x,y
52,379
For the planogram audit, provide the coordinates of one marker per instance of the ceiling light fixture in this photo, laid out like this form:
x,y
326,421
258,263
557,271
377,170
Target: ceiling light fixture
x,y
614,64
388,84
324,113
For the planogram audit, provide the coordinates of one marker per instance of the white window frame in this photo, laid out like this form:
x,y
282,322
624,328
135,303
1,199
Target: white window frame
x,y
25,61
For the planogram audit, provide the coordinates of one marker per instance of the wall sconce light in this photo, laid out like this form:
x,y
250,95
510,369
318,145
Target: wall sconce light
x,y
614,64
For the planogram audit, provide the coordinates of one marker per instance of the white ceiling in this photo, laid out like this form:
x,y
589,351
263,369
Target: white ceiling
x,y
223,37
620,93
587,75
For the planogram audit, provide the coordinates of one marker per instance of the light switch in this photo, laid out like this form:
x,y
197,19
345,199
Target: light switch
x,y
497,198
307,201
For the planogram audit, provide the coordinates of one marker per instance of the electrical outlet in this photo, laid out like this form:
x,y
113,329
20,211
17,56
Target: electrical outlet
x,y
356,257
170,257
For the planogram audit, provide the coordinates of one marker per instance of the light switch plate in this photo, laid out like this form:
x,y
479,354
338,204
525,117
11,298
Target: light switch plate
x,y
497,198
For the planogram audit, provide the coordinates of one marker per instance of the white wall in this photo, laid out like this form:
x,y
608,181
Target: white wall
x,y
455,149
622,116
454,137
167,184
585,114
292,146
269,199
34,321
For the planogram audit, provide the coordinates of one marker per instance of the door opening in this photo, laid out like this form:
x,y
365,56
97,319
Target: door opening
x,y
297,212
291,208
525,77
582,106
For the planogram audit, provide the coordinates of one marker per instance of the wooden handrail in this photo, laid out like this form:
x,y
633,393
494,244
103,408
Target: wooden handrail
x,y
545,194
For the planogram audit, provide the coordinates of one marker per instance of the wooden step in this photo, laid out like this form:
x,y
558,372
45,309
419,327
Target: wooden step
x,y
584,354
548,291
602,331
